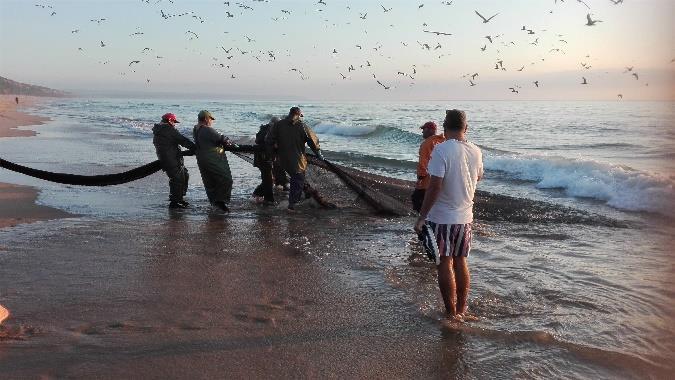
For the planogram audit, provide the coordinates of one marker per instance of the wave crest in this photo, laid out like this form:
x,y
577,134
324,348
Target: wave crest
x,y
619,186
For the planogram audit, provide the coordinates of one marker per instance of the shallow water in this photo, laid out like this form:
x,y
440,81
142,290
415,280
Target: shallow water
x,y
558,295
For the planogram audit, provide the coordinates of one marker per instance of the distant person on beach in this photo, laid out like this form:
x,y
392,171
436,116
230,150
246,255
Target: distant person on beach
x,y
431,139
167,141
212,161
264,161
16,99
288,138
456,166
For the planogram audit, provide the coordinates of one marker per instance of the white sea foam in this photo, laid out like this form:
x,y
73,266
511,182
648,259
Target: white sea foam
x,y
343,130
621,187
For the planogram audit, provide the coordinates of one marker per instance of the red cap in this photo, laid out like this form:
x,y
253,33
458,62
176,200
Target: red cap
x,y
170,117
430,124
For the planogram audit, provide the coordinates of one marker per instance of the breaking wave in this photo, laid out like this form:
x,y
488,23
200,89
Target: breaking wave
x,y
620,187
370,131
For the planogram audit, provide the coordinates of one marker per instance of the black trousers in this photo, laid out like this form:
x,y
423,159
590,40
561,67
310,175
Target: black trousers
x,y
178,182
280,178
266,188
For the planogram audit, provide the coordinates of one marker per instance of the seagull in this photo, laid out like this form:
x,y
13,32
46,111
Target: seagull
x,y
363,15
249,38
343,76
381,84
629,69
420,6
335,51
591,22
474,75
489,38
471,84
132,62
513,90
437,33
636,76
102,44
582,2
584,82
321,2
616,2
620,96
385,9
536,83
98,21
521,69
485,20
228,14
351,68
75,31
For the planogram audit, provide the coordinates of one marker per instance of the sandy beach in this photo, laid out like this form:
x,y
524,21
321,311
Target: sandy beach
x,y
17,203
131,289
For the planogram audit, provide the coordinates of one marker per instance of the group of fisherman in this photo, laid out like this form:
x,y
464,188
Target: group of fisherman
x,y
280,151
448,170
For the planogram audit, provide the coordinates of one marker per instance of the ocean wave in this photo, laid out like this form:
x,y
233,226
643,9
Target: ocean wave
x,y
367,131
620,187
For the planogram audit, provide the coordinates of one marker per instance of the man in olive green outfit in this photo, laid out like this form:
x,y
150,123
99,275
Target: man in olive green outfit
x,y
212,161
288,137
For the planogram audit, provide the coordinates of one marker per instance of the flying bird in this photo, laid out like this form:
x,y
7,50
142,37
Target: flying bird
x,y
591,22
132,62
385,9
636,76
485,20
437,33
582,2
102,44
381,84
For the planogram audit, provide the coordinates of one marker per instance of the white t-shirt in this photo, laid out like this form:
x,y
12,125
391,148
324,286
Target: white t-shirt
x,y
460,164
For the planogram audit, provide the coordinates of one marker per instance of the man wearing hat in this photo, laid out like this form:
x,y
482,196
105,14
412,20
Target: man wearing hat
x,y
167,141
431,139
212,161
288,137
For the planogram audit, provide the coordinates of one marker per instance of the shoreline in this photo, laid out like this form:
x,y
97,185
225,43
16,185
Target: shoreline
x,y
17,203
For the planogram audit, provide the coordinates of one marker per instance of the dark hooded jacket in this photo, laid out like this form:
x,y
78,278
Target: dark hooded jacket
x,y
290,139
167,142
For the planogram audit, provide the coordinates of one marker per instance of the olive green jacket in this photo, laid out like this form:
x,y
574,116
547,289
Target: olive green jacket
x,y
289,139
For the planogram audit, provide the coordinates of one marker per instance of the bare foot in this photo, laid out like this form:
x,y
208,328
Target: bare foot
x,y
468,317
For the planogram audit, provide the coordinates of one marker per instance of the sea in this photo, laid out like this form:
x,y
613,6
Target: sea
x,y
556,298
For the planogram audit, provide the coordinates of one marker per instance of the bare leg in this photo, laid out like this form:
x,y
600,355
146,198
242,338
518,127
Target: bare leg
x,y
446,283
462,279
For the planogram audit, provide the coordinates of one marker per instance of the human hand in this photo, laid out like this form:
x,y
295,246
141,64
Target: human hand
x,y
420,224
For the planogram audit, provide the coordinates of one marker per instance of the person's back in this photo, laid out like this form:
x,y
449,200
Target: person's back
x,y
168,140
290,138
460,165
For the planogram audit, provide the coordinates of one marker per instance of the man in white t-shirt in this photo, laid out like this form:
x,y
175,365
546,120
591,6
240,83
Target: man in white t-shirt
x,y
456,166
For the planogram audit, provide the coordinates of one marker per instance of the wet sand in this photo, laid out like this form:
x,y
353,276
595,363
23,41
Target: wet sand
x,y
17,203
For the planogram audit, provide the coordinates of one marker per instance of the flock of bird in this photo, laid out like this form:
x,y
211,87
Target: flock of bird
x,y
236,9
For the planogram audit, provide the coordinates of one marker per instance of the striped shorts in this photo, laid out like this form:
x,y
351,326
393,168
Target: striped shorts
x,y
452,239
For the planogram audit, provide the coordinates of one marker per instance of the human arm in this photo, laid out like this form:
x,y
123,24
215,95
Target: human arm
x,y
430,198
312,141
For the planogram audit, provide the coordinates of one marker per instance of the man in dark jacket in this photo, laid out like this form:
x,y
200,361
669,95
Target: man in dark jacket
x,y
288,137
167,142
264,161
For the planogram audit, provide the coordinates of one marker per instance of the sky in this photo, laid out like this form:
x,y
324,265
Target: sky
x,y
295,49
